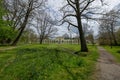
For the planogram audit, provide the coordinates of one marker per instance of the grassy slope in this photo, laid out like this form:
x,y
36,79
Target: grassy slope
x,y
114,51
47,62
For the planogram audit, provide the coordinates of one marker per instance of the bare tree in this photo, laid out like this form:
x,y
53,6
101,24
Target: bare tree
x,y
118,35
29,36
114,17
20,13
15,13
105,37
108,26
90,36
77,9
45,26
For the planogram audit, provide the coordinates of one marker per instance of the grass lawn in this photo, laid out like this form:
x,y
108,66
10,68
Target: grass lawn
x,y
115,51
47,62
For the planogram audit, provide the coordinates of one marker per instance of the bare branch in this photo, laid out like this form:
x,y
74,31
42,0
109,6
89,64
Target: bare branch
x,y
71,5
86,6
69,15
70,23
72,2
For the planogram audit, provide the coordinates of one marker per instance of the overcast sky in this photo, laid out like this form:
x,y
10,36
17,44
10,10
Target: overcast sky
x,y
55,5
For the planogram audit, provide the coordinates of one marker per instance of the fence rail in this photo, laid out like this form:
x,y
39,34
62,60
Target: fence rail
x,y
61,42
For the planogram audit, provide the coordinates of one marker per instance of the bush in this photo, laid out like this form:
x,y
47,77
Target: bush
x,y
118,51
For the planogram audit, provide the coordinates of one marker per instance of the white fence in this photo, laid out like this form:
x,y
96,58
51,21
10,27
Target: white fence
x,y
72,41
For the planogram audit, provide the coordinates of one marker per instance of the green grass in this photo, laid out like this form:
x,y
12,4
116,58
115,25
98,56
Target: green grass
x,y
115,51
47,62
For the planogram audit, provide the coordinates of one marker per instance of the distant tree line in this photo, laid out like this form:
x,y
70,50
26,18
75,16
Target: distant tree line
x,y
109,30
18,16
28,20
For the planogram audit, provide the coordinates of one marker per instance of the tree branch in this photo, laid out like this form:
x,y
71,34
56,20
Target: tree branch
x,y
72,2
70,23
69,15
86,6
69,3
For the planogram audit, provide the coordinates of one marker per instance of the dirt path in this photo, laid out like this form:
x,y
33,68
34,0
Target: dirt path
x,y
107,69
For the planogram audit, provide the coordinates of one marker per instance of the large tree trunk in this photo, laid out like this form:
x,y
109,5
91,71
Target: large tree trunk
x,y
82,39
113,35
41,40
114,39
110,38
18,37
22,28
81,33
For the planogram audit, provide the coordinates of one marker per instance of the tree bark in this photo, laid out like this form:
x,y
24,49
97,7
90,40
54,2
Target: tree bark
x,y
81,33
110,40
113,35
82,39
114,39
22,28
41,39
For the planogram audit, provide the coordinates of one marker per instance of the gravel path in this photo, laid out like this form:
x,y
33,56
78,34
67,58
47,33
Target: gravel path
x,y
107,69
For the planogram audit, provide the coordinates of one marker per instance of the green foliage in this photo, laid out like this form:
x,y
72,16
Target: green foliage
x,y
2,11
118,51
46,62
6,32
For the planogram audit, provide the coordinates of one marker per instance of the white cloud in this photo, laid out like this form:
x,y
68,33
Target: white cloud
x,y
55,5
